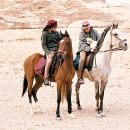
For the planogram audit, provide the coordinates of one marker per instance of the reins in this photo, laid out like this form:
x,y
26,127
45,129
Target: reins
x,y
115,49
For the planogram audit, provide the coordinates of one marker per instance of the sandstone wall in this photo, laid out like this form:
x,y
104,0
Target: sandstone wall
x,y
18,14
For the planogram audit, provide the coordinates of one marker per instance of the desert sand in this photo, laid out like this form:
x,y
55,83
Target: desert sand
x,y
16,46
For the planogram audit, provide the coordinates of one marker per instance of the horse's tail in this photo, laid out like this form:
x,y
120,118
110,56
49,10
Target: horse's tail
x,y
25,84
63,92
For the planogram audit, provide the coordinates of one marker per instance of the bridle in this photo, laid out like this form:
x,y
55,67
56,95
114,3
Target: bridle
x,y
63,52
111,49
118,48
114,49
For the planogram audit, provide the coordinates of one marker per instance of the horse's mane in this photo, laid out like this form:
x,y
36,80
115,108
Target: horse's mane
x,y
102,37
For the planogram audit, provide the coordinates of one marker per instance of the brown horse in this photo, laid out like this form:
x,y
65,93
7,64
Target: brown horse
x,y
63,77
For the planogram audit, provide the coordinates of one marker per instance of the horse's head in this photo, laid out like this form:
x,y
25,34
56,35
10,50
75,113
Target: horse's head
x,y
64,46
117,40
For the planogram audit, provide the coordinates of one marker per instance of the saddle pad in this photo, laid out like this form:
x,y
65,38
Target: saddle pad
x,y
38,68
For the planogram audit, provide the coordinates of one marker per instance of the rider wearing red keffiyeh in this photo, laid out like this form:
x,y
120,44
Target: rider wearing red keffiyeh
x,y
50,38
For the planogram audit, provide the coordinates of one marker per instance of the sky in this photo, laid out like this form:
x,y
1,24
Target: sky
x,y
118,2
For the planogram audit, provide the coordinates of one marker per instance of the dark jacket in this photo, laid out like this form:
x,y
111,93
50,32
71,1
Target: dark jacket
x,y
50,41
83,46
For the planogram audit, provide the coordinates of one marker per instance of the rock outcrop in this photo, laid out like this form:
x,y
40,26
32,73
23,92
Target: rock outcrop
x,y
27,14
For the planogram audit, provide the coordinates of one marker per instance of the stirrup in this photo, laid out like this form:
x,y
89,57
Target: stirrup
x,y
80,81
46,81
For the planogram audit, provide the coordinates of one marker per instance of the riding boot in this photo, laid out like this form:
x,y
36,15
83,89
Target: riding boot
x,y
80,78
46,80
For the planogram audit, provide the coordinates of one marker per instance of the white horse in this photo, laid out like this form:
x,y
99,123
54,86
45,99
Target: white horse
x,y
113,40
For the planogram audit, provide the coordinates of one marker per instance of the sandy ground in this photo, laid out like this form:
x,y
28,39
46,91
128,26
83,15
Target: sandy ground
x,y
15,47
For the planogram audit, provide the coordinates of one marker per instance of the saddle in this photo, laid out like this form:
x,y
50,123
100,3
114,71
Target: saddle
x,y
39,68
88,62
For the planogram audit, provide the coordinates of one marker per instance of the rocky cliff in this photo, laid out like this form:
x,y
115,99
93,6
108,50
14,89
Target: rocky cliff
x,y
27,14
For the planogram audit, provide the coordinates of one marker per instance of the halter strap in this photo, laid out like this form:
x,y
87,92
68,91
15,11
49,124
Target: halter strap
x,y
116,38
65,51
113,49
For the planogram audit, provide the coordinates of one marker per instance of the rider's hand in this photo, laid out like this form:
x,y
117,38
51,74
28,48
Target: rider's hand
x,y
92,49
51,54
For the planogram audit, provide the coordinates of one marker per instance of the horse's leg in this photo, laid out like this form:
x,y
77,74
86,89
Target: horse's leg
x,y
69,92
97,98
30,83
59,86
38,84
103,85
77,87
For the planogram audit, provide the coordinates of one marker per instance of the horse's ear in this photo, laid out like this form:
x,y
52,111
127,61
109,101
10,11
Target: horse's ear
x,y
66,33
61,33
109,27
115,25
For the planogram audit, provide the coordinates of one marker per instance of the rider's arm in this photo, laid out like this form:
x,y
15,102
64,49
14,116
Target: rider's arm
x,y
44,43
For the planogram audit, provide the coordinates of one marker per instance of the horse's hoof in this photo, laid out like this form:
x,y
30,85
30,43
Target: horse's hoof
x,y
99,116
72,116
102,114
58,118
79,108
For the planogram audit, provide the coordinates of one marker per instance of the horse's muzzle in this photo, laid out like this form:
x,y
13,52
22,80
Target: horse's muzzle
x,y
60,58
124,45
60,55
